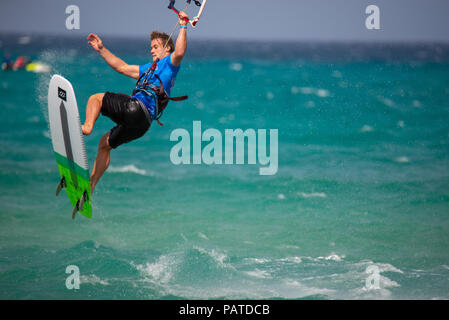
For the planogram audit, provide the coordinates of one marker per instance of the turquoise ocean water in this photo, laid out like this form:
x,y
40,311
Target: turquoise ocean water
x,y
363,178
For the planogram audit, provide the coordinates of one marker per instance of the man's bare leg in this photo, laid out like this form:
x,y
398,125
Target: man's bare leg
x,y
101,162
93,109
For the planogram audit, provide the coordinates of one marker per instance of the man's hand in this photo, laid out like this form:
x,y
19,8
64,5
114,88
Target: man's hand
x,y
183,18
95,42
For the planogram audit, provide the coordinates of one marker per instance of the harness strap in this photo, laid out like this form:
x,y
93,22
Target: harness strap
x,y
180,98
158,93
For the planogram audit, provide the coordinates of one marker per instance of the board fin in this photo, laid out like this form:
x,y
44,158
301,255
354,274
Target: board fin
x,y
75,209
83,199
79,204
61,184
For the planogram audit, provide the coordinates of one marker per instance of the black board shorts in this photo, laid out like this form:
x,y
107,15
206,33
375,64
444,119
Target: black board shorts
x,y
127,113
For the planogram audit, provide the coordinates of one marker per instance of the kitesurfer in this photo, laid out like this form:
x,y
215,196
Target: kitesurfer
x,y
7,62
134,113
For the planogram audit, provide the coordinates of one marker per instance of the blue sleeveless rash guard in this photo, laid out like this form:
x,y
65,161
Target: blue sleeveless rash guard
x,y
167,72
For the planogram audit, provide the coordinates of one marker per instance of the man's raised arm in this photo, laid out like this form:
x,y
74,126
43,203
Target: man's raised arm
x,y
181,41
115,62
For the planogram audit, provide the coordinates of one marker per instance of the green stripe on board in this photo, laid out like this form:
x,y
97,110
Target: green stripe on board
x,y
63,161
77,180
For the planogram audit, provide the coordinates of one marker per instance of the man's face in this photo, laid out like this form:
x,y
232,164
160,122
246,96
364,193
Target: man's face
x,y
157,49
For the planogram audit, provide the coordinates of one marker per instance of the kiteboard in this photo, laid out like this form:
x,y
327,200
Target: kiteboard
x,y
68,145
37,67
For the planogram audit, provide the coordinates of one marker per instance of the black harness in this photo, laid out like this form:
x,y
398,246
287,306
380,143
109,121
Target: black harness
x,y
158,93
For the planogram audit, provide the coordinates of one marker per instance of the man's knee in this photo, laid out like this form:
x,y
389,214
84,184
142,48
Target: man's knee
x,y
104,142
98,97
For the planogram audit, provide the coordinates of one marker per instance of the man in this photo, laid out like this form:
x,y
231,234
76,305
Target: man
x,y
132,114
7,62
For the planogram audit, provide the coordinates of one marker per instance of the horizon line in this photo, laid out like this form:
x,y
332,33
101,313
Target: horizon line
x,y
240,40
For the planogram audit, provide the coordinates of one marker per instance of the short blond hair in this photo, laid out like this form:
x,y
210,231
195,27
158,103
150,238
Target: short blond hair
x,y
164,37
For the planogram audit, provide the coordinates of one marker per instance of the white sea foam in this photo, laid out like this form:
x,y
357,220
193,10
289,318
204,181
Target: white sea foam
x,y
319,92
202,235
402,160
236,66
386,267
387,283
161,270
258,260
333,257
166,266
375,293
306,90
322,93
261,281
386,101
291,259
262,274
365,294
358,273
258,282
253,288
292,288
384,282
93,279
129,168
366,128
288,246
312,195
216,255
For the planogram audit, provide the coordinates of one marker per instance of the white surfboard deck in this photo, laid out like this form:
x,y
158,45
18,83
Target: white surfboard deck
x,y
68,141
